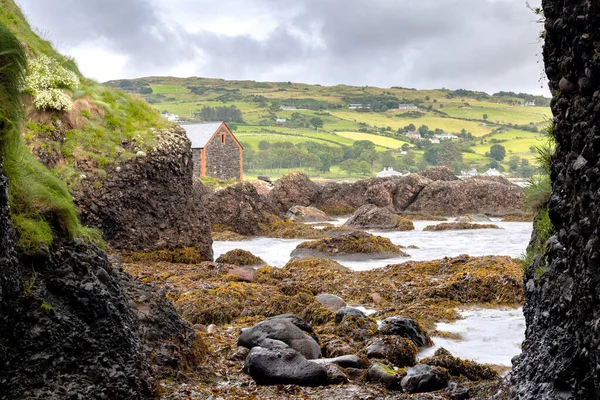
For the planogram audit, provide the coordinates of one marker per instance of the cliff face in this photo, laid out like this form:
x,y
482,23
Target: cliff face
x,y
149,202
561,353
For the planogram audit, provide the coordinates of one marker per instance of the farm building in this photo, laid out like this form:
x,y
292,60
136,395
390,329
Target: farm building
x,y
215,151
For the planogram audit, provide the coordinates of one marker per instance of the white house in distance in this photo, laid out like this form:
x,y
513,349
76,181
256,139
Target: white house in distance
x,y
281,121
446,136
492,172
354,106
388,172
288,108
413,135
170,116
407,107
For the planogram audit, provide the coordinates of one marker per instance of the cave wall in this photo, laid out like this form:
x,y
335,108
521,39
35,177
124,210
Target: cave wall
x,y
561,353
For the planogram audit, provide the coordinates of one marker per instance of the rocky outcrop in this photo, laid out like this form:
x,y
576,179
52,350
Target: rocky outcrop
x,y
370,216
149,203
406,328
469,196
295,189
561,351
240,208
72,326
439,174
70,332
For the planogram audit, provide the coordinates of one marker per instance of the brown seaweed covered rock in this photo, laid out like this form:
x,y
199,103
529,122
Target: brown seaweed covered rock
x,y
240,257
372,217
240,208
458,367
453,226
354,245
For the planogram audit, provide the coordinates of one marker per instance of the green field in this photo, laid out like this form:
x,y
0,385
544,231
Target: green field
x,y
457,112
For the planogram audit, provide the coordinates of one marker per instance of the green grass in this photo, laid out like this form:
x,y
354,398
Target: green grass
x,y
509,114
41,205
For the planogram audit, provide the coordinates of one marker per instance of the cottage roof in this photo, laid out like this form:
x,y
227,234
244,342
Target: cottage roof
x,y
200,134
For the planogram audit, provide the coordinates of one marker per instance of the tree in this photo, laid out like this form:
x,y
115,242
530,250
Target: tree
x,y
405,147
445,153
388,160
365,168
316,122
513,163
351,166
485,117
497,152
264,145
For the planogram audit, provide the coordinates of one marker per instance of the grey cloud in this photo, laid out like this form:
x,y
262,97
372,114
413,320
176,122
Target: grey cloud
x,y
477,44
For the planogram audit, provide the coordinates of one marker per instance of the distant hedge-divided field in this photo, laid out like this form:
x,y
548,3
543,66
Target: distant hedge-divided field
x,y
320,131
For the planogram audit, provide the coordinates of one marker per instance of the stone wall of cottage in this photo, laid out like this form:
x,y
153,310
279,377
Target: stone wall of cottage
x,y
223,160
197,162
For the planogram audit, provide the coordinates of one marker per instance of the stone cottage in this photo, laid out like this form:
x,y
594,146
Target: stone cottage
x,y
215,151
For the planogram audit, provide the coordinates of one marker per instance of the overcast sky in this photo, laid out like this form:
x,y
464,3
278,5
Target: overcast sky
x,y
487,45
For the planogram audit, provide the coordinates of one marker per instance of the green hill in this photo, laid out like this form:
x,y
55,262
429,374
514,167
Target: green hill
x,y
75,127
479,120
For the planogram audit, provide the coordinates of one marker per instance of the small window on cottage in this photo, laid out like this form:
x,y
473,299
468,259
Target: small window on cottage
x,y
222,138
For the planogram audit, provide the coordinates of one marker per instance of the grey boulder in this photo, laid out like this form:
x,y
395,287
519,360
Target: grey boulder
x,y
424,378
407,328
283,366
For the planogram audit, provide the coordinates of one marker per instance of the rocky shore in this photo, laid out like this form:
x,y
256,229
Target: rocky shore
x,y
299,313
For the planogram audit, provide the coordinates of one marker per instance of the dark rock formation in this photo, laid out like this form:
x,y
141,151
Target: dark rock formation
x,y
423,378
469,196
379,372
407,328
240,208
370,216
439,174
561,352
149,203
283,366
347,361
71,326
295,189
69,331
281,330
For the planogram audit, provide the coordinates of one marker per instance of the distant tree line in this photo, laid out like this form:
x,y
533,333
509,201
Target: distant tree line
x,y
225,114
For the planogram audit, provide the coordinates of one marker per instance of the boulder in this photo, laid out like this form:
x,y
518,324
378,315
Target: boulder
x,y
407,328
424,378
299,322
283,366
370,216
293,189
469,196
240,208
346,311
399,351
307,214
335,375
284,331
458,367
331,301
354,245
